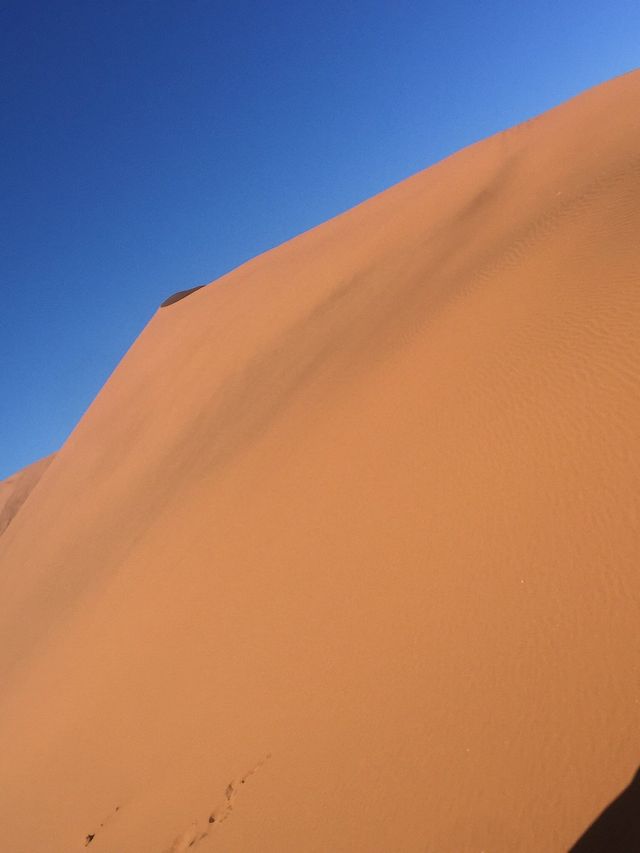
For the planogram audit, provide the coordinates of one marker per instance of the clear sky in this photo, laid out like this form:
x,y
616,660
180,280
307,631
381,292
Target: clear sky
x,y
149,146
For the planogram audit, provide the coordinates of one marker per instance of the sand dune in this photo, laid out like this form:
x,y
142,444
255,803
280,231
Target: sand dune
x,y
344,556
16,489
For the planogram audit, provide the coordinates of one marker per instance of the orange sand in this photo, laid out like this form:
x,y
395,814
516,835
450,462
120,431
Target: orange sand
x,y
344,556
16,489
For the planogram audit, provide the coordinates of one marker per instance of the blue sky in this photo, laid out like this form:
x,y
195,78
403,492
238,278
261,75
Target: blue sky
x,y
149,146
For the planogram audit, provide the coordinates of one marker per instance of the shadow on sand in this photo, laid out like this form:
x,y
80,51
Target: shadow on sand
x,y
176,297
617,828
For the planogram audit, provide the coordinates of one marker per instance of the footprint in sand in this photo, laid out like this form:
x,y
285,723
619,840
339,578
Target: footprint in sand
x,y
91,835
231,792
187,839
193,834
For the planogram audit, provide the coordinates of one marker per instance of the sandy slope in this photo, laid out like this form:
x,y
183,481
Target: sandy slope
x,y
16,489
344,555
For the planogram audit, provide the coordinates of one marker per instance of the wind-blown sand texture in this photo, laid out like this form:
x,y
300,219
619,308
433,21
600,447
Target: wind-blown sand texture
x,y
344,556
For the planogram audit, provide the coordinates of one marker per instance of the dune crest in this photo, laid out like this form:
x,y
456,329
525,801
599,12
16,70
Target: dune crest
x,y
14,490
344,556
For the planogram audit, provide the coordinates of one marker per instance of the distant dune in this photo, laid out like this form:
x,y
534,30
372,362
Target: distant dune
x,y
16,489
344,556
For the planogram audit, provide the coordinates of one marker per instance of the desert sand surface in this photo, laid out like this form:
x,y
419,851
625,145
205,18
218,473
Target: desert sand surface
x,y
344,556
16,489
